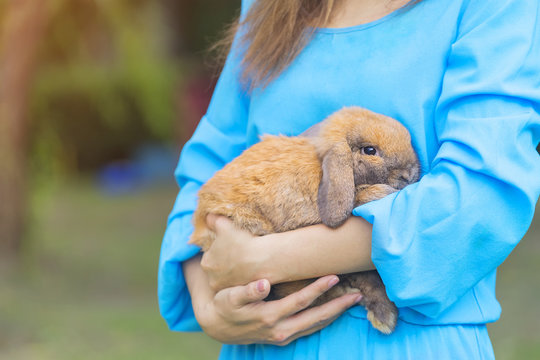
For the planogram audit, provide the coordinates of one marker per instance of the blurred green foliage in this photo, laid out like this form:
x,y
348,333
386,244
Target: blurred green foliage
x,y
203,20
112,76
86,286
104,84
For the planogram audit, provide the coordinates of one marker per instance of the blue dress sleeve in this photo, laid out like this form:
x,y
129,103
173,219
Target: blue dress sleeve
x,y
219,138
436,239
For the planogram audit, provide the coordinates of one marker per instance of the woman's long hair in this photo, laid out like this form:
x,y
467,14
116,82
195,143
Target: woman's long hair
x,y
274,32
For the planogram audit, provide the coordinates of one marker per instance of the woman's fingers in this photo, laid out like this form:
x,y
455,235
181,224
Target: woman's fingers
x,y
211,221
322,314
309,331
314,319
218,223
303,298
281,321
253,292
273,314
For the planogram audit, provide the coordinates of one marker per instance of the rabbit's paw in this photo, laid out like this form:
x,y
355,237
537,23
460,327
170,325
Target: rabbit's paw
x,y
367,193
383,318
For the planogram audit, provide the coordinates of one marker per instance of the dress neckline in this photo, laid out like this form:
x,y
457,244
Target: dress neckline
x,y
364,26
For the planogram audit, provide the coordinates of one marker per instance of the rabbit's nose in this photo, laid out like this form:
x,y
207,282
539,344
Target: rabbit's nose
x,y
405,179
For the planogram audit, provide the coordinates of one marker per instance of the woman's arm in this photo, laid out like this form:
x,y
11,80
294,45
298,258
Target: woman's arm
x,y
238,315
237,257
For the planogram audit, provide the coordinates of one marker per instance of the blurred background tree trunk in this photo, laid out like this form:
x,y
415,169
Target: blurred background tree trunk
x,y
21,30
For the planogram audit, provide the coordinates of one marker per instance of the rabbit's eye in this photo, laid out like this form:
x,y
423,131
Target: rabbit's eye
x,y
369,150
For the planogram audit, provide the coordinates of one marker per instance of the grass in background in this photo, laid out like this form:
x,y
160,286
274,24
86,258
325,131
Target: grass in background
x,y
517,334
87,286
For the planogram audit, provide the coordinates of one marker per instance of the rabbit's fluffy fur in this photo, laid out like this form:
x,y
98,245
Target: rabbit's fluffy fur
x,y
283,183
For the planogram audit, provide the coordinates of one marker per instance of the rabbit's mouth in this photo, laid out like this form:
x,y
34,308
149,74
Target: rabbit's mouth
x,y
400,183
404,178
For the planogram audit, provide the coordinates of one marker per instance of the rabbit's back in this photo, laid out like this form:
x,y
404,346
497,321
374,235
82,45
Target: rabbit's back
x,y
271,187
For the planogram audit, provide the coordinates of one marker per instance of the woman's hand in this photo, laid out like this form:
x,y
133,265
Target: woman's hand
x,y
232,259
238,315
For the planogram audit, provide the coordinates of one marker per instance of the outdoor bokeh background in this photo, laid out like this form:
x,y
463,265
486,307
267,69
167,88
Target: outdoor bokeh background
x,y
96,99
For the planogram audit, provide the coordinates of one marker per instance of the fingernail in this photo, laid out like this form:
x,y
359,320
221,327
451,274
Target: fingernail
x,y
261,285
333,281
358,299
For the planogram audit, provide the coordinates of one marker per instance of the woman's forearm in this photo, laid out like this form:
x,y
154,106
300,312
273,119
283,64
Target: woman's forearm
x,y
314,251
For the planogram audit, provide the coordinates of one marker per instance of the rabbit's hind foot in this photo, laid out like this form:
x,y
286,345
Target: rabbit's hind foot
x,y
383,319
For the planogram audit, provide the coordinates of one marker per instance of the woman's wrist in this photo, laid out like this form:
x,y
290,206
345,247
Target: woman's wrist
x,y
267,256
196,281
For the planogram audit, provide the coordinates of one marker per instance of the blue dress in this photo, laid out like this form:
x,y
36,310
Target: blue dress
x,y
464,77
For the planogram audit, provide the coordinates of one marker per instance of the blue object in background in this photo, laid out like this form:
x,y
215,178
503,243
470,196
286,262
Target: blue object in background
x,y
118,177
151,164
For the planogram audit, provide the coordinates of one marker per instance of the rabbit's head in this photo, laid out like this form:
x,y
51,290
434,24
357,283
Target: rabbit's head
x,y
356,147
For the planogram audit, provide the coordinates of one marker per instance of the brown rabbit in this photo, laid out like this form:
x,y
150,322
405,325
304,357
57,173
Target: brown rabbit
x,y
284,183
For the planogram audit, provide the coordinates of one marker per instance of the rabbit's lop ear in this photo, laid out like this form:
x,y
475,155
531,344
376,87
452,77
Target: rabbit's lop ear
x,y
336,190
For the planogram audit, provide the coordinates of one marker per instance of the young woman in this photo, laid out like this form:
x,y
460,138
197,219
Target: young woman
x,y
464,77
